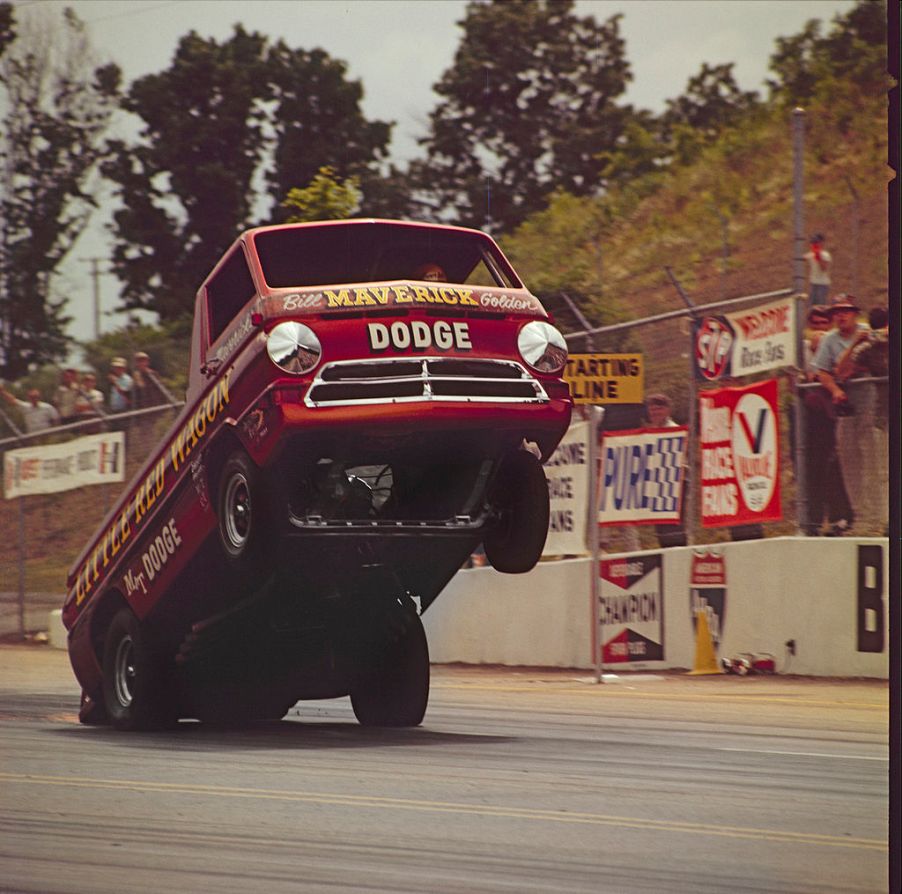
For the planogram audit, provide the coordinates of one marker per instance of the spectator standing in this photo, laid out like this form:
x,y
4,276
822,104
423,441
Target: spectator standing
x,y
826,487
121,384
657,412
148,391
819,262
90,397
66,395
37,414
868,358
819,324
851,409
869,353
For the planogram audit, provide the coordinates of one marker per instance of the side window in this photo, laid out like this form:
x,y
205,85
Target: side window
x,y
228,292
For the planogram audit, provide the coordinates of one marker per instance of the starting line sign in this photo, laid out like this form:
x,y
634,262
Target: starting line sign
x,y
606,378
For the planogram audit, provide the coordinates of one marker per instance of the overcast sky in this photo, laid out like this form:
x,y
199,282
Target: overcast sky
x,y
400,48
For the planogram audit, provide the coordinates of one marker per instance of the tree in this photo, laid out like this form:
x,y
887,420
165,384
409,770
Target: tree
x,y
58,107
223,120
185,187
711,103
854,50
318,123
525,110
326,198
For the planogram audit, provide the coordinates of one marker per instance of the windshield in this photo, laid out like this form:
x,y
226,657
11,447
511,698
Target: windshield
x,y
375,252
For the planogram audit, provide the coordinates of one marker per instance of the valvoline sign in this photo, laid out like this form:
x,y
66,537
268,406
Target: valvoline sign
x,y
740,455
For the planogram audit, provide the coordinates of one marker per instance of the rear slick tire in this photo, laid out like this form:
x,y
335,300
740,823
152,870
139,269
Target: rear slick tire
x,y
393,689
520,496
135,677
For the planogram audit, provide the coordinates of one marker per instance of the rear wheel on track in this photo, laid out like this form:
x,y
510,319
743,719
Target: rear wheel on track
x,y
392,688
136,689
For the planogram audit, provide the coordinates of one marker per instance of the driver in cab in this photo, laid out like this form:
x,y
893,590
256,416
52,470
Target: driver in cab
x,y
430,272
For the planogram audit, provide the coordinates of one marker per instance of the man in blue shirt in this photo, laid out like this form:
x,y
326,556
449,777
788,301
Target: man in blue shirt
x,y
853,414
121,385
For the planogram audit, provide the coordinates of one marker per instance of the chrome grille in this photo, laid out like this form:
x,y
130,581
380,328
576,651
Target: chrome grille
x,y
401,379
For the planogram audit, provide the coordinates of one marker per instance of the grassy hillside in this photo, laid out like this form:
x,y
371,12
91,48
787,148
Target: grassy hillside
x,y
724,223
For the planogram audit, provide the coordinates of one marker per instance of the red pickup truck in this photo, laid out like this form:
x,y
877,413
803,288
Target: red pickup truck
x,y
368,401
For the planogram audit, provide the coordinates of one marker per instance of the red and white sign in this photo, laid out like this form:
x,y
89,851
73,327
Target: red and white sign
x,y
94,459
745,342
740,453
631,609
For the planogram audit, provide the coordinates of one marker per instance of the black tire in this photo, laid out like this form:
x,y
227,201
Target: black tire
x,y
393,689
520,496
136,690
242,513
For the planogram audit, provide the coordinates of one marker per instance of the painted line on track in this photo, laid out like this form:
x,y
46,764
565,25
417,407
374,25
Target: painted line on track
x,y
843,757
525,813
609,690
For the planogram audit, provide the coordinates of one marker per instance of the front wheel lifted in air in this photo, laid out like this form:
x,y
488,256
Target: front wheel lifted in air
x,y
519,495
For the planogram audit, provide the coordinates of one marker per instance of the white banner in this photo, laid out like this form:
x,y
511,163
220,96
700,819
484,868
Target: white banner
x,y
744,342
94,459
642,476
567,471
765,337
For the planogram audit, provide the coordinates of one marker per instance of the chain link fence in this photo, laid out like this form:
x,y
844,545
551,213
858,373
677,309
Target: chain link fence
x,y
667,344
41,534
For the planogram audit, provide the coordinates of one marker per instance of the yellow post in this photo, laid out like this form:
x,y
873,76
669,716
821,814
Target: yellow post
x,y
705,658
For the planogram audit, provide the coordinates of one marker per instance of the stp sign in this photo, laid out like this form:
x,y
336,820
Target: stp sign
x,y
713,347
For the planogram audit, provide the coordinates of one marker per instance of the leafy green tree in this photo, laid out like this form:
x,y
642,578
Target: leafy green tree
x,y
853,50
186,187
317,122
525,110
711,103
326,198
58,103
212,122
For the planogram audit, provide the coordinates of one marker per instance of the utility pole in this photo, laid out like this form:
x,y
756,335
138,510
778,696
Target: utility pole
x,y
95,277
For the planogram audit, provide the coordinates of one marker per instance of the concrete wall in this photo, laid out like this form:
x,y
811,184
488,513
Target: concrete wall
x,y
803,589
779,589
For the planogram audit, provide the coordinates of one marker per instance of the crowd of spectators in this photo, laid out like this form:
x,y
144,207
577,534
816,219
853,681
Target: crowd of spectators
x,y
77,398
845,415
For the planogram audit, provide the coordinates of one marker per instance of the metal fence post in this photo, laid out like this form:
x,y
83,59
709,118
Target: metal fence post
x,y
596,415
691,446
798,199
798,284
22,567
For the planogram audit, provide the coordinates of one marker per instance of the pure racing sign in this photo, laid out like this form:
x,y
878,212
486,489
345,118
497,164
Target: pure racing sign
x,y
740,446
642,476
606,378
94,459
567,471
631,609
744,342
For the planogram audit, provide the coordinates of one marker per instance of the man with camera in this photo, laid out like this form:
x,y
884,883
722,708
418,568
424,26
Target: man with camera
x,y
830,422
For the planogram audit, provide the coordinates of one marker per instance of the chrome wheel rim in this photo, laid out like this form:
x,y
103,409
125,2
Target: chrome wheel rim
x,y
124,671
237,512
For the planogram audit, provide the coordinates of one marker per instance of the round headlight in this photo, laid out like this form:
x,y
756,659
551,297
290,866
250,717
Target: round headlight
x,y
542,347
293,347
